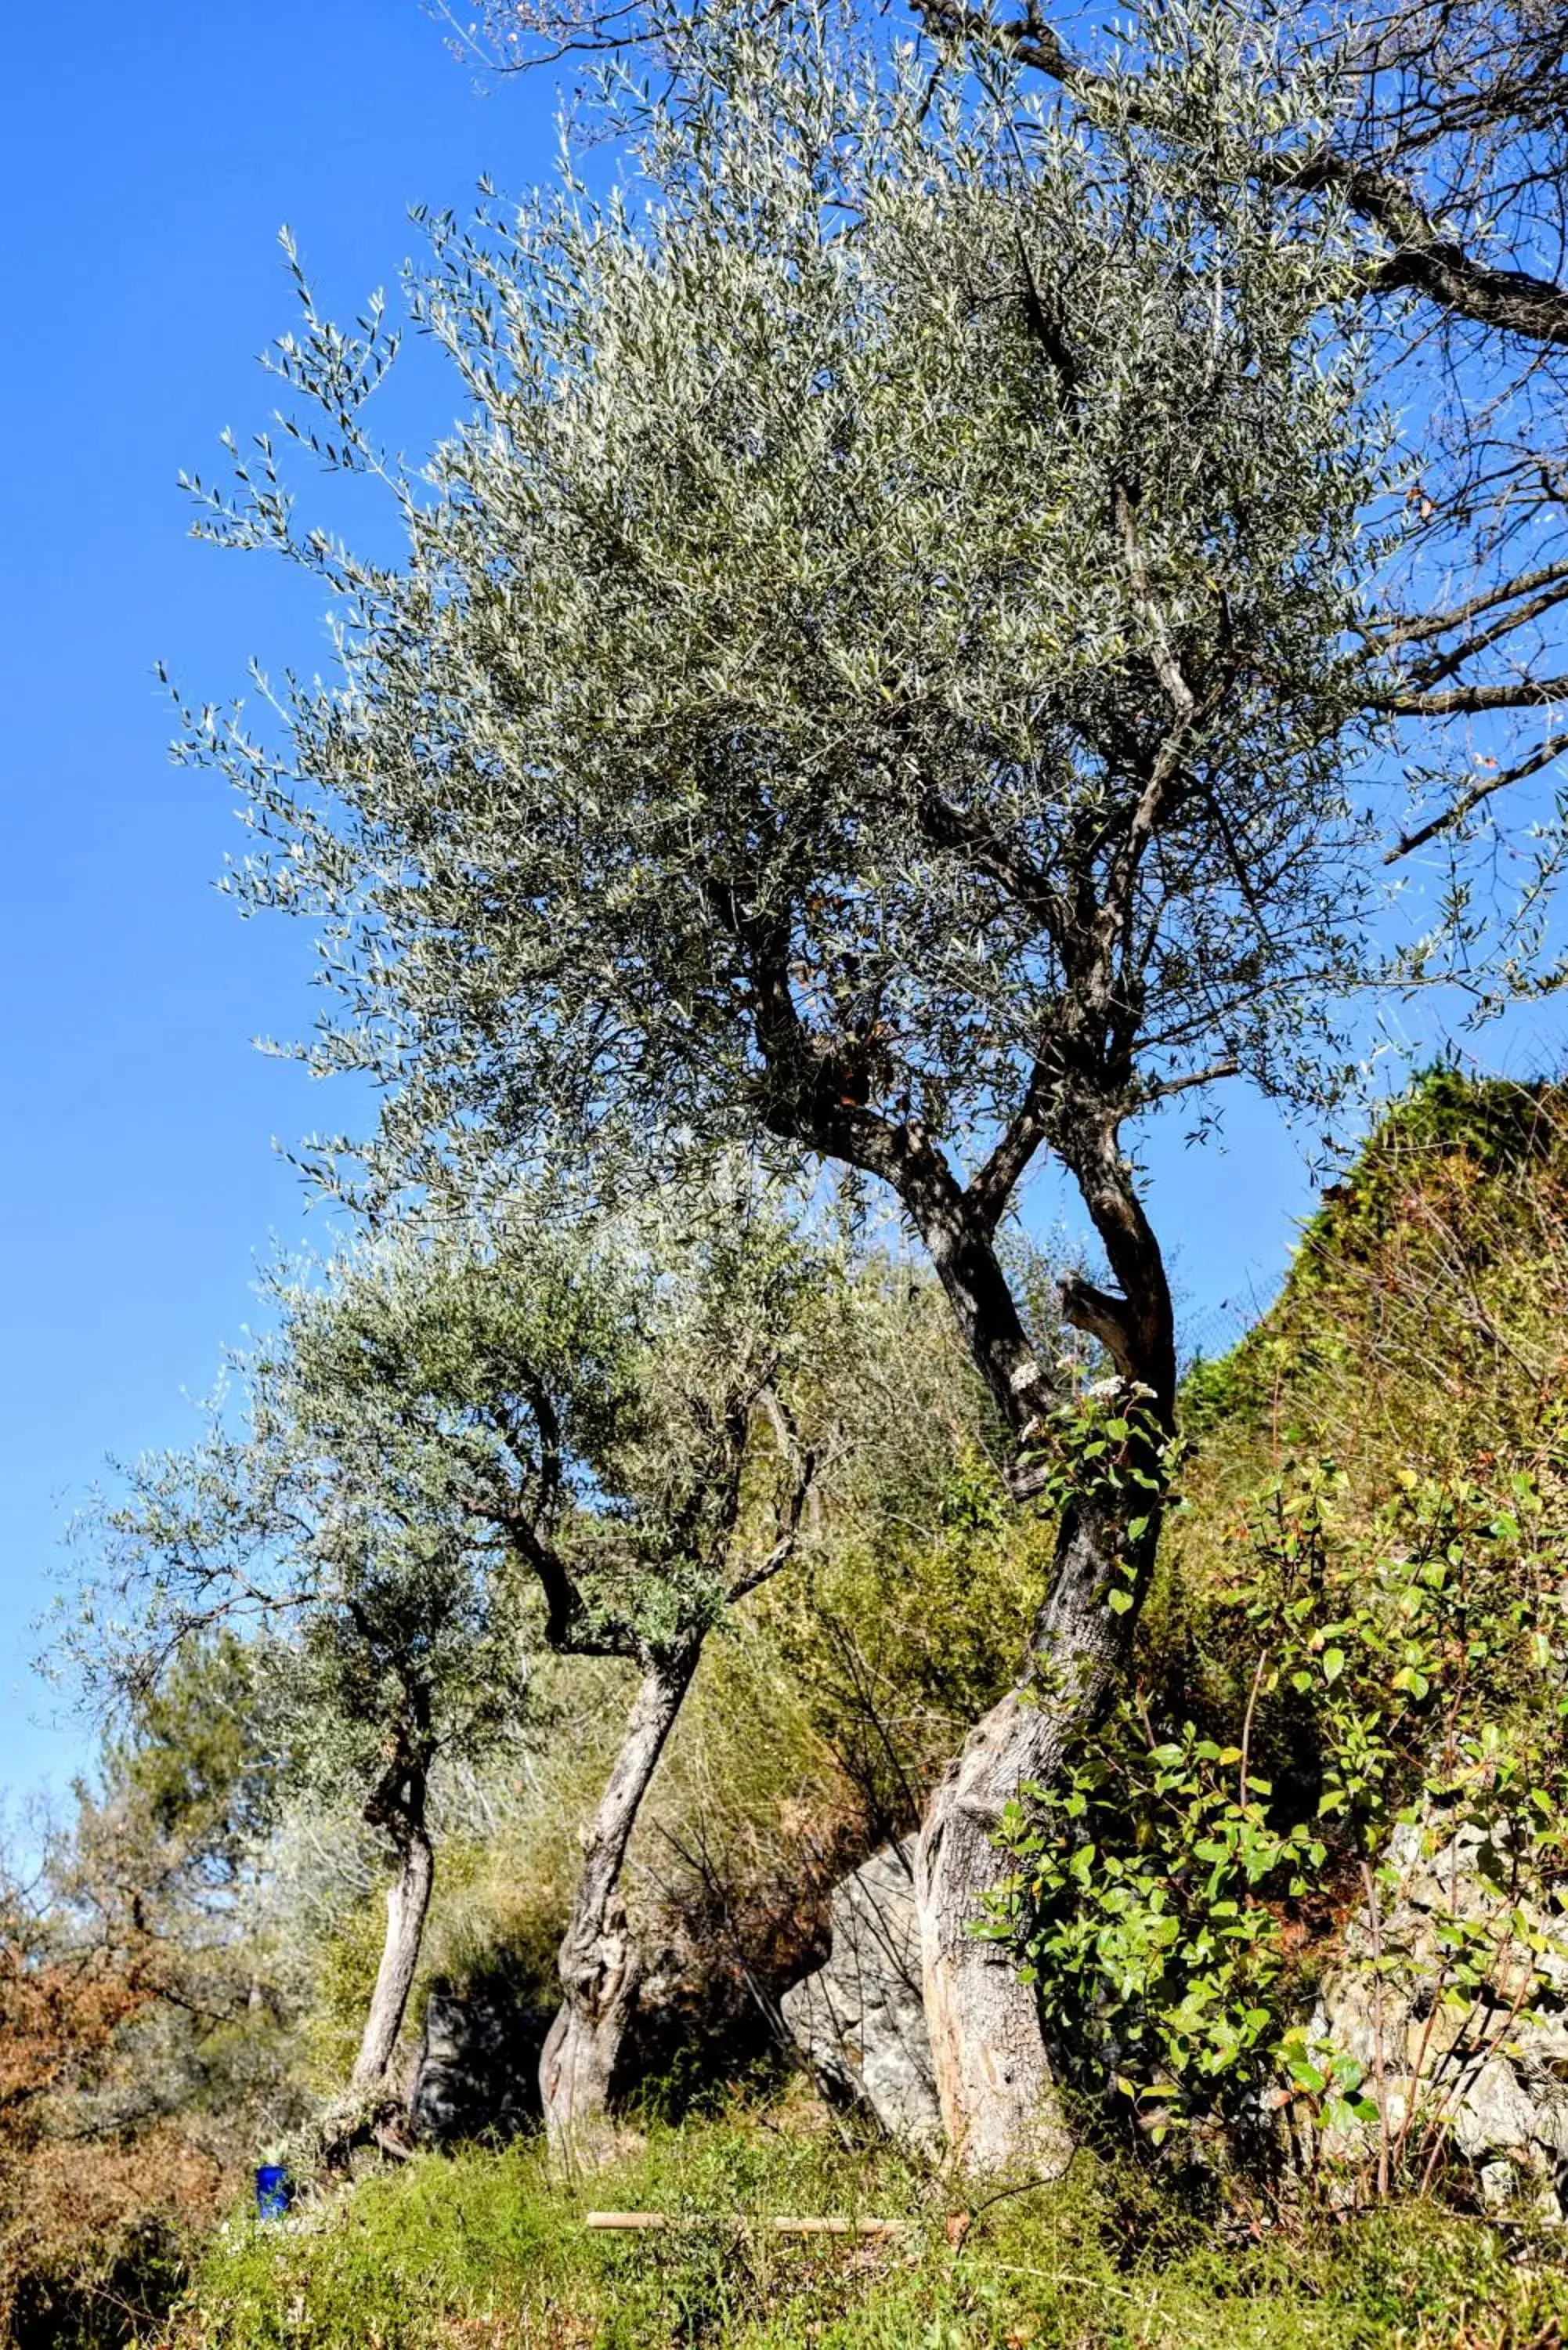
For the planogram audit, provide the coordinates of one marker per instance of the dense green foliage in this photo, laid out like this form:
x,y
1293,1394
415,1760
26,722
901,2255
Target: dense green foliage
x,y
1360,1624
1412,1672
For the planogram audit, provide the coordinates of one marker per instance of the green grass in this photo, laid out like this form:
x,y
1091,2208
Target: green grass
x,y
482,2251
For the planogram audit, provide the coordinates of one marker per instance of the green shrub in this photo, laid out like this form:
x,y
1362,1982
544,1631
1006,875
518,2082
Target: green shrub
x,y
1332,1644
1410,1668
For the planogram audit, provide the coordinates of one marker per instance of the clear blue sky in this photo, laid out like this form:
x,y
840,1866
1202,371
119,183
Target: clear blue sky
x,y
147,161
147,157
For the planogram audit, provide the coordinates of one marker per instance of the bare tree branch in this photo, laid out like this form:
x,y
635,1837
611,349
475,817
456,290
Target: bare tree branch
x,y
1462,805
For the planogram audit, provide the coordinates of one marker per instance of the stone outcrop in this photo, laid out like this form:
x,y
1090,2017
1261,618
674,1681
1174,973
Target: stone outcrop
x,y
477,2073
1489,2067
859,2021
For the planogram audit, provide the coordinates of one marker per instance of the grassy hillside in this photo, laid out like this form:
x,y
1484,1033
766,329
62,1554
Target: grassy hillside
x,y
1423,1324
482,2252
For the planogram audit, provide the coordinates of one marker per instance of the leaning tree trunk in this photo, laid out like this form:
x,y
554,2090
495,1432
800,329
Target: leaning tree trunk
x,y
408,1905
600,1965
992,2075
992,2071
989,2055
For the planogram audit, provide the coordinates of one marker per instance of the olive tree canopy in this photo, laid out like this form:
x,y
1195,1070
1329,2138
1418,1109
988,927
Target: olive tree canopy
x,y
872,665
329,1521
877,671
1437,130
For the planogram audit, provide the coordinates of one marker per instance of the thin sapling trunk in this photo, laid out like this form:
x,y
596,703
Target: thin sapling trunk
x,y
398,1807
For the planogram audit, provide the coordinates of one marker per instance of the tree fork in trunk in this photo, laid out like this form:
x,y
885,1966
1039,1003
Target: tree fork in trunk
x,y
992,2075
600,1965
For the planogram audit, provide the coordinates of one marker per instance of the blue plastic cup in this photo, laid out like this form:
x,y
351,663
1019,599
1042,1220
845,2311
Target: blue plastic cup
x,y
273,2194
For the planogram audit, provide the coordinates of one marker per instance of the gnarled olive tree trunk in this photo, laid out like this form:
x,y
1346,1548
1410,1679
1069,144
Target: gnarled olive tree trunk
x,y
600,1965
993,2070
398,1807
992,2073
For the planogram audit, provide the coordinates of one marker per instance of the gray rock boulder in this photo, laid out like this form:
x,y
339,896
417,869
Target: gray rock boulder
x,y
1488,2068
477,2072
859,2021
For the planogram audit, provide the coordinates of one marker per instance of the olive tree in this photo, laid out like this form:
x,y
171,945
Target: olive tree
x,y
461,1445
874,672
635,1510
1436,129
1437,132
321,1522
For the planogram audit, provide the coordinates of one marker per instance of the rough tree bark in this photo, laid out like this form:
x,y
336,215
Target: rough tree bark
x,y
991,2066
600,1965
398,1807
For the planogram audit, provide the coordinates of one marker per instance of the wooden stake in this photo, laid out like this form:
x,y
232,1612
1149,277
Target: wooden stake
x,y
780,2226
